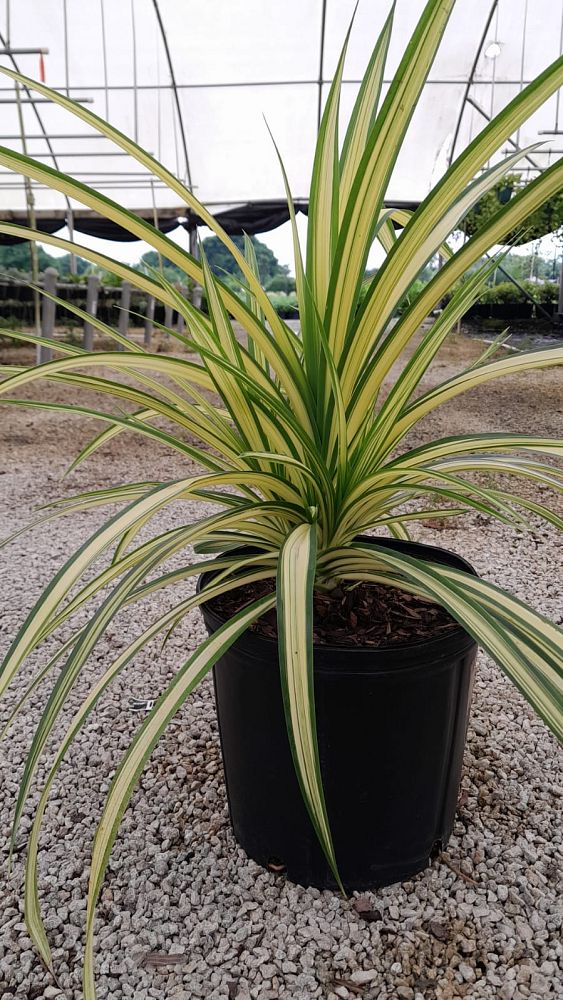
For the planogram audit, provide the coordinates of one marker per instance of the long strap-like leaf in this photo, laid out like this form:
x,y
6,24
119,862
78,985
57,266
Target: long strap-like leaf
x,y
296,574
139,751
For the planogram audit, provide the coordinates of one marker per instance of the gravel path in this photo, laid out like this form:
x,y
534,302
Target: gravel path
x,y
183,912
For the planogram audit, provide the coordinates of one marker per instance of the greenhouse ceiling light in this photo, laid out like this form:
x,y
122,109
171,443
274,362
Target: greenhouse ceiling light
x,y
493,50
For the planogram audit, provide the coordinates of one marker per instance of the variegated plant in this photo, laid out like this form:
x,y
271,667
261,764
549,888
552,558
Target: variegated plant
x,y
312,449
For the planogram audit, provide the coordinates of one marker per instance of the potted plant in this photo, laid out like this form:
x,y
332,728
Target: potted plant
x,y
304,456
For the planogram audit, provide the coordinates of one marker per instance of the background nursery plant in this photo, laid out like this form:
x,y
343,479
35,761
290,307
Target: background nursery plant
x,y
314,451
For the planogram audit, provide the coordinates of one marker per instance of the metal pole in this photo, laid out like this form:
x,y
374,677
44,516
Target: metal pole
x,y
70,226
180,320
48,312
321,66
560,304
30,201
194,251
149,318
124,311
135,98
469,82
91,308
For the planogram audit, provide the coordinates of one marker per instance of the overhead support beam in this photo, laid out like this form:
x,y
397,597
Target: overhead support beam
x,y
469,83
62,154
237,84
54,135
8,51
5,41
43,100
530,159
176,95
321,66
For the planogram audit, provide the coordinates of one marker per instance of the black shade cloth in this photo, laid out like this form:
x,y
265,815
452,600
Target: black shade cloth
x,y
91,225
252,218
105,229
44,225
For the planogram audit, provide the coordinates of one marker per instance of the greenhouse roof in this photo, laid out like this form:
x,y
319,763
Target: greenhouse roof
x,y
193,82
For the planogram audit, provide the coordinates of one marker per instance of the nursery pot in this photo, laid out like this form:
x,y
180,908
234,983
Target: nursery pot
x,y
391,727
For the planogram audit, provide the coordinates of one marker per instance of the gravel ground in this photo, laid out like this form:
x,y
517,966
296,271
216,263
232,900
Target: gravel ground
x,y
484,921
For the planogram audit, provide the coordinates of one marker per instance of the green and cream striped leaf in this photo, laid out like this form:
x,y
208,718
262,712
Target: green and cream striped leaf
x,y
382,431
370,184
514,364
70,672
35,682
393,281
105,437
253,305
296,574
427,219
288,371
123,423
324,196
264,518
136,278
469,443
139,751
98,324
278,327
33,628
495,619
507,218
32,905
364,113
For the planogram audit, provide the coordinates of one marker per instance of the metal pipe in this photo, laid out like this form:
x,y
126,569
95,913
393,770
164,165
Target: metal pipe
x,y
30,201
86,156
321,65
8,51
125,306
48,314
235,84
522,60
473,103
45,100
175,90
65,40
469,81
92,292
135,101
149,320
105,58
53,135
97,173
537,152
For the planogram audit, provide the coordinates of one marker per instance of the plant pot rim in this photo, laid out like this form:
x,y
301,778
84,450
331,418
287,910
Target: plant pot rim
x,y
401,656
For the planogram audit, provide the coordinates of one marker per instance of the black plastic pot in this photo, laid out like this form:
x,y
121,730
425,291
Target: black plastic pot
x,y
391,728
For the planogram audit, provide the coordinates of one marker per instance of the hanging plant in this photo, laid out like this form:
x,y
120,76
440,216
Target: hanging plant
x,y
546,219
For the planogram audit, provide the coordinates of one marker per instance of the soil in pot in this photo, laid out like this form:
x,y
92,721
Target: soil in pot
x,y
357,616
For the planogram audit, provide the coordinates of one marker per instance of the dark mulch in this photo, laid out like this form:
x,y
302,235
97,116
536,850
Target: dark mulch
x,y
363,615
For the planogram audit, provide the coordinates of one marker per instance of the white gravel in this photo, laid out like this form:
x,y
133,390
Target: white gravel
x,y
483,922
